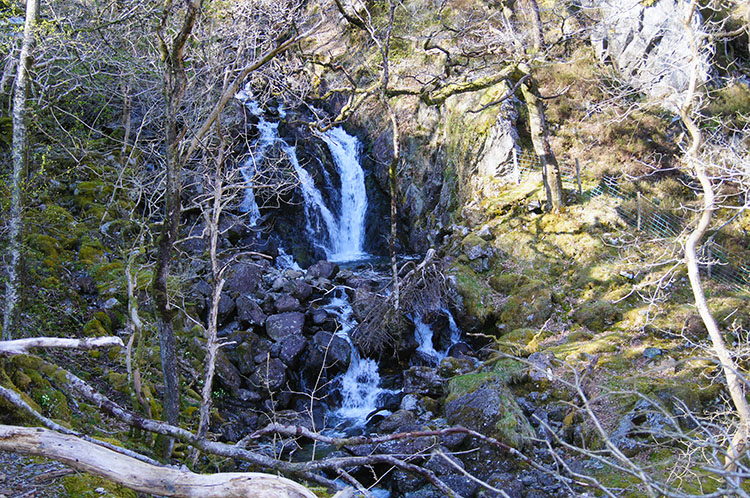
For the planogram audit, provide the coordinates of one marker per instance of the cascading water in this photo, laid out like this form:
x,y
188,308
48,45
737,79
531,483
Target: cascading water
x,y
339,232
348,235
360,384
423,334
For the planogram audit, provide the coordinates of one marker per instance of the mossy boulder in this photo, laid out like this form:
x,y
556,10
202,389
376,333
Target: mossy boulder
x,y
478,297
529,305
91,251
597,316
482,402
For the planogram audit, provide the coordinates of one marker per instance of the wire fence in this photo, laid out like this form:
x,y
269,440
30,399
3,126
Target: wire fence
x,y
645,215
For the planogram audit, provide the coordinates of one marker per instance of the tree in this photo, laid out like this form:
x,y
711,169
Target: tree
x,y
20,158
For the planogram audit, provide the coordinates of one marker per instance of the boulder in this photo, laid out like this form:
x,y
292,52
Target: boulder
x,y
226,307
338,350
284,324
285,302
291,348
227,373
323,269
243,278
269,375
423,380
482,402
249,312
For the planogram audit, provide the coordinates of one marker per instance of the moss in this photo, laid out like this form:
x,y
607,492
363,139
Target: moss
x,y
597,315
118,381
477,295
530,304
87,486
604,343
91,252
94,328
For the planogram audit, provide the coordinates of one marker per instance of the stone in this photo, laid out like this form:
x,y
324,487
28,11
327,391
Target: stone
x,y
226,307
243,278
323,269
249,312
284,324
285,302
319,316
423,380
650,48
227,372
338,350
302,290
651,353
291,348
482,402
269,376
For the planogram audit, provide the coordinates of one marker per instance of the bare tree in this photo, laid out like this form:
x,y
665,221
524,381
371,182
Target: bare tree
x,y
20,158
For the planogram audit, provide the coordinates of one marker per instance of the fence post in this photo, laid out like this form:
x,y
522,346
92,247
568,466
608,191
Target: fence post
x,y
578,177
640,210
516,171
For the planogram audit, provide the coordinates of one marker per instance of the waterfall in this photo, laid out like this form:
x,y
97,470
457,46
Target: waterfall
x,y
339,232
348,235
360,384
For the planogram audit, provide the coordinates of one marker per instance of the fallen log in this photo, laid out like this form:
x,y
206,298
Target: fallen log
x,y
21,346
143,477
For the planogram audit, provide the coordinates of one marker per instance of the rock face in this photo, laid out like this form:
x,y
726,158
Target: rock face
x,y
649,46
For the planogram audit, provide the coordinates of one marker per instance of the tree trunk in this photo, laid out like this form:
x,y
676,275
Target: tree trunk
x,y
540,138
729,366
19,153
175,83
141,476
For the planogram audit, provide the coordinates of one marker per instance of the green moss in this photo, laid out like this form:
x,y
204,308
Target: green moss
x,y
597,315
477,295
91,252
94,328
86,486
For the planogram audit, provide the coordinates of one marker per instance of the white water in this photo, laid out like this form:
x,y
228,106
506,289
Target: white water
x,y
423,334
360,384
341,237
348,235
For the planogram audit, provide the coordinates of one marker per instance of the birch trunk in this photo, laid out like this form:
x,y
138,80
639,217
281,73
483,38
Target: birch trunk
x,y
19,153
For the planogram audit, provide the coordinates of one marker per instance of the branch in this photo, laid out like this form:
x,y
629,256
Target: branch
x,y
232,89
22,346
143,477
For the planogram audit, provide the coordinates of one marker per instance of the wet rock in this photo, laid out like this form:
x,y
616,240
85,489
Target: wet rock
x,y
319,316
284,324
423,380
335,349
291,348
249,312
460,350
323,269
285,302
506,481
398,421
243,278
